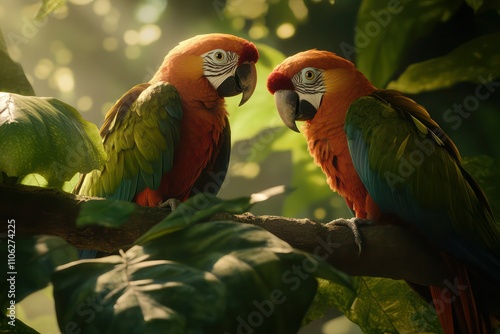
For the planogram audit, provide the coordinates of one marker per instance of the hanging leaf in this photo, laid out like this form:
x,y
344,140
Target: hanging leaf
x,y
48,6
12,77
48,137
477,61
385,32
259,112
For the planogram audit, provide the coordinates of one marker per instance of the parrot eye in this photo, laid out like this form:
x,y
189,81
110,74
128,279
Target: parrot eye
x,y
309,74
219,56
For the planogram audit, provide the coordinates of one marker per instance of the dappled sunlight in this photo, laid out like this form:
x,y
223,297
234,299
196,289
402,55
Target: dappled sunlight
x,y
84,103
286,30
63,79
88,53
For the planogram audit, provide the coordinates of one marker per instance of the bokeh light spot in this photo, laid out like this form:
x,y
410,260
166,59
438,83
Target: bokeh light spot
x,y
131,37
258,31
319,213
64,79
299,9
247,170
101,7
150,11
250,9
111,20
238,23
84,103
149,33
80,2
43,69
286,30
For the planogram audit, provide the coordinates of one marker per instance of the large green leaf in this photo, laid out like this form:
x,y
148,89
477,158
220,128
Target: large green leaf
x,y
48,137
210,277
12,77
259,112
136,294
194,277
34,261
386,30
477,61
378,305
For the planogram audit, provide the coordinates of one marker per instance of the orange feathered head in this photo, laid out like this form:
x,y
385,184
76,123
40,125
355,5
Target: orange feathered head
x,y
226,61
303,81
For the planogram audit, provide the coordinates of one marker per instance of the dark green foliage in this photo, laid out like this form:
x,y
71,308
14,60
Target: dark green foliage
x,y
245,275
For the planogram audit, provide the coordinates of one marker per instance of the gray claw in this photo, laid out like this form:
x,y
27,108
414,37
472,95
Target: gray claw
x,y
173,203
353,224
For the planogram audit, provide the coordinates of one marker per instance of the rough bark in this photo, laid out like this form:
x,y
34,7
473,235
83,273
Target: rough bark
x,y
387,251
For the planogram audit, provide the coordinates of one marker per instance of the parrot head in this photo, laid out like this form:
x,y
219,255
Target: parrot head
x,y
305,83
227,62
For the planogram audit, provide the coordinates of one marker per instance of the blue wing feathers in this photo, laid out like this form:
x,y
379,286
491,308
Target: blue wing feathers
x,y
449,219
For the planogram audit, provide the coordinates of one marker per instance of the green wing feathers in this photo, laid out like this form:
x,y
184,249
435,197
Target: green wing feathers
x,y
140,133
411,168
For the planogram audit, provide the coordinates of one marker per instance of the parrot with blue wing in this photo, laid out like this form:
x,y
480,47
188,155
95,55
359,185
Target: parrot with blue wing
x,y
391,162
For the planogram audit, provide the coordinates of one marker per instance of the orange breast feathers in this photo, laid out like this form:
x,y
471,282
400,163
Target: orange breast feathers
x,y
328,143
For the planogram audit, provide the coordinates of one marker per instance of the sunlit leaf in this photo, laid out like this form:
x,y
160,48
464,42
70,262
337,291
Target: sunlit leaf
x,y
378,305
12,77
477,61
385,32
108,213
48,6
34,262
48,137
259,113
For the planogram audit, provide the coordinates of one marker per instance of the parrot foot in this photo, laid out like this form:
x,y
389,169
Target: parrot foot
x,y
353,224
173,203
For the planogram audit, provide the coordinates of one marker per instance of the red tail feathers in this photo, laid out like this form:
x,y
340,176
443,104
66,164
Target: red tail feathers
x,y
455,303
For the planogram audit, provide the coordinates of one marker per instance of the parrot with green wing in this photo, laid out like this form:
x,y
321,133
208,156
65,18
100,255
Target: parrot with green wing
x,y
170,138
391,162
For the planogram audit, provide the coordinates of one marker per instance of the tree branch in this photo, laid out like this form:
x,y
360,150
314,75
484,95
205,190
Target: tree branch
x,y
388,251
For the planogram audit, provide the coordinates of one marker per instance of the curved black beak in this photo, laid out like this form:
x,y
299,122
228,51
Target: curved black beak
x,y
244,81
291,108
